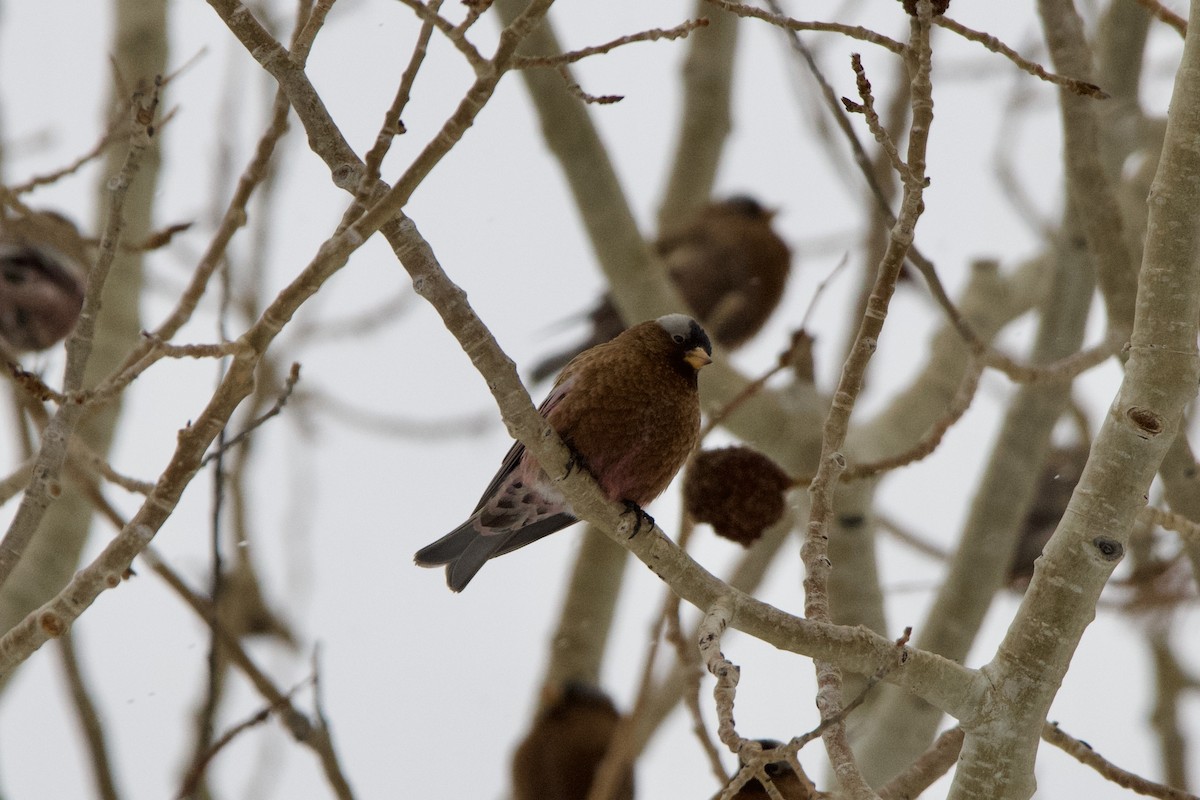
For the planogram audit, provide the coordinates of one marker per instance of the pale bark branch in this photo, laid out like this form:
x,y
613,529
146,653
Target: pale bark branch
x,y
44,485
705,117
1160,378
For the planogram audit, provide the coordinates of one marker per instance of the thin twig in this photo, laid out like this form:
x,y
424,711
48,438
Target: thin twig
x,y
610,772
672,631
111,387
687,657
464,426
152,350
927,444
1033,68
214,684
1020,373
392,125
901,534
452,32
475,9
1171,521
577,91
89,720
16,481
680,31
753,755
1167,715
800,339
787,23
234,218
115,131
755,760
88,458
308,25
799,351
360,324
820,290
156,240
33,385
832,463
303,730
288,386
1062,370
191,350
324,734
105,569
881,673
867,109
1083,753
1164,14
937,431
196,773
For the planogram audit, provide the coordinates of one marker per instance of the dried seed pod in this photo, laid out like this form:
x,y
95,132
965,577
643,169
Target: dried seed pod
x,y
737,490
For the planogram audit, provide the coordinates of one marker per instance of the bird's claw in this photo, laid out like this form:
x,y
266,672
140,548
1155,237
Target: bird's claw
x,y
640,517
575,463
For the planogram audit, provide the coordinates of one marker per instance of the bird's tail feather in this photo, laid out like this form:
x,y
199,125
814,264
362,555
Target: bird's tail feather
x,y
460,571
531,533
463,550
447,548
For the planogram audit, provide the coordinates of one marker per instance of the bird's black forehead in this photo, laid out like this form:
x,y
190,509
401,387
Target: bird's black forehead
x,y
686,331
698,338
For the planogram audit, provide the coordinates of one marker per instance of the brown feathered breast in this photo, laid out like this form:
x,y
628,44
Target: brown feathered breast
x,y
630,412
633,414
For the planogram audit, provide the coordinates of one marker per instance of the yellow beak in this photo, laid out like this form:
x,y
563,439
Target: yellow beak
x,y
697,358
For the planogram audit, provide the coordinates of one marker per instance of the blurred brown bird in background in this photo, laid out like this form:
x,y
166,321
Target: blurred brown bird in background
x,y
729,265
782,776
629,409
43,268
557,760
1060,474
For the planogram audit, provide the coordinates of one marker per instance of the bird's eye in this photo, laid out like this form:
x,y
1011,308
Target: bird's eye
x,y
678,338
